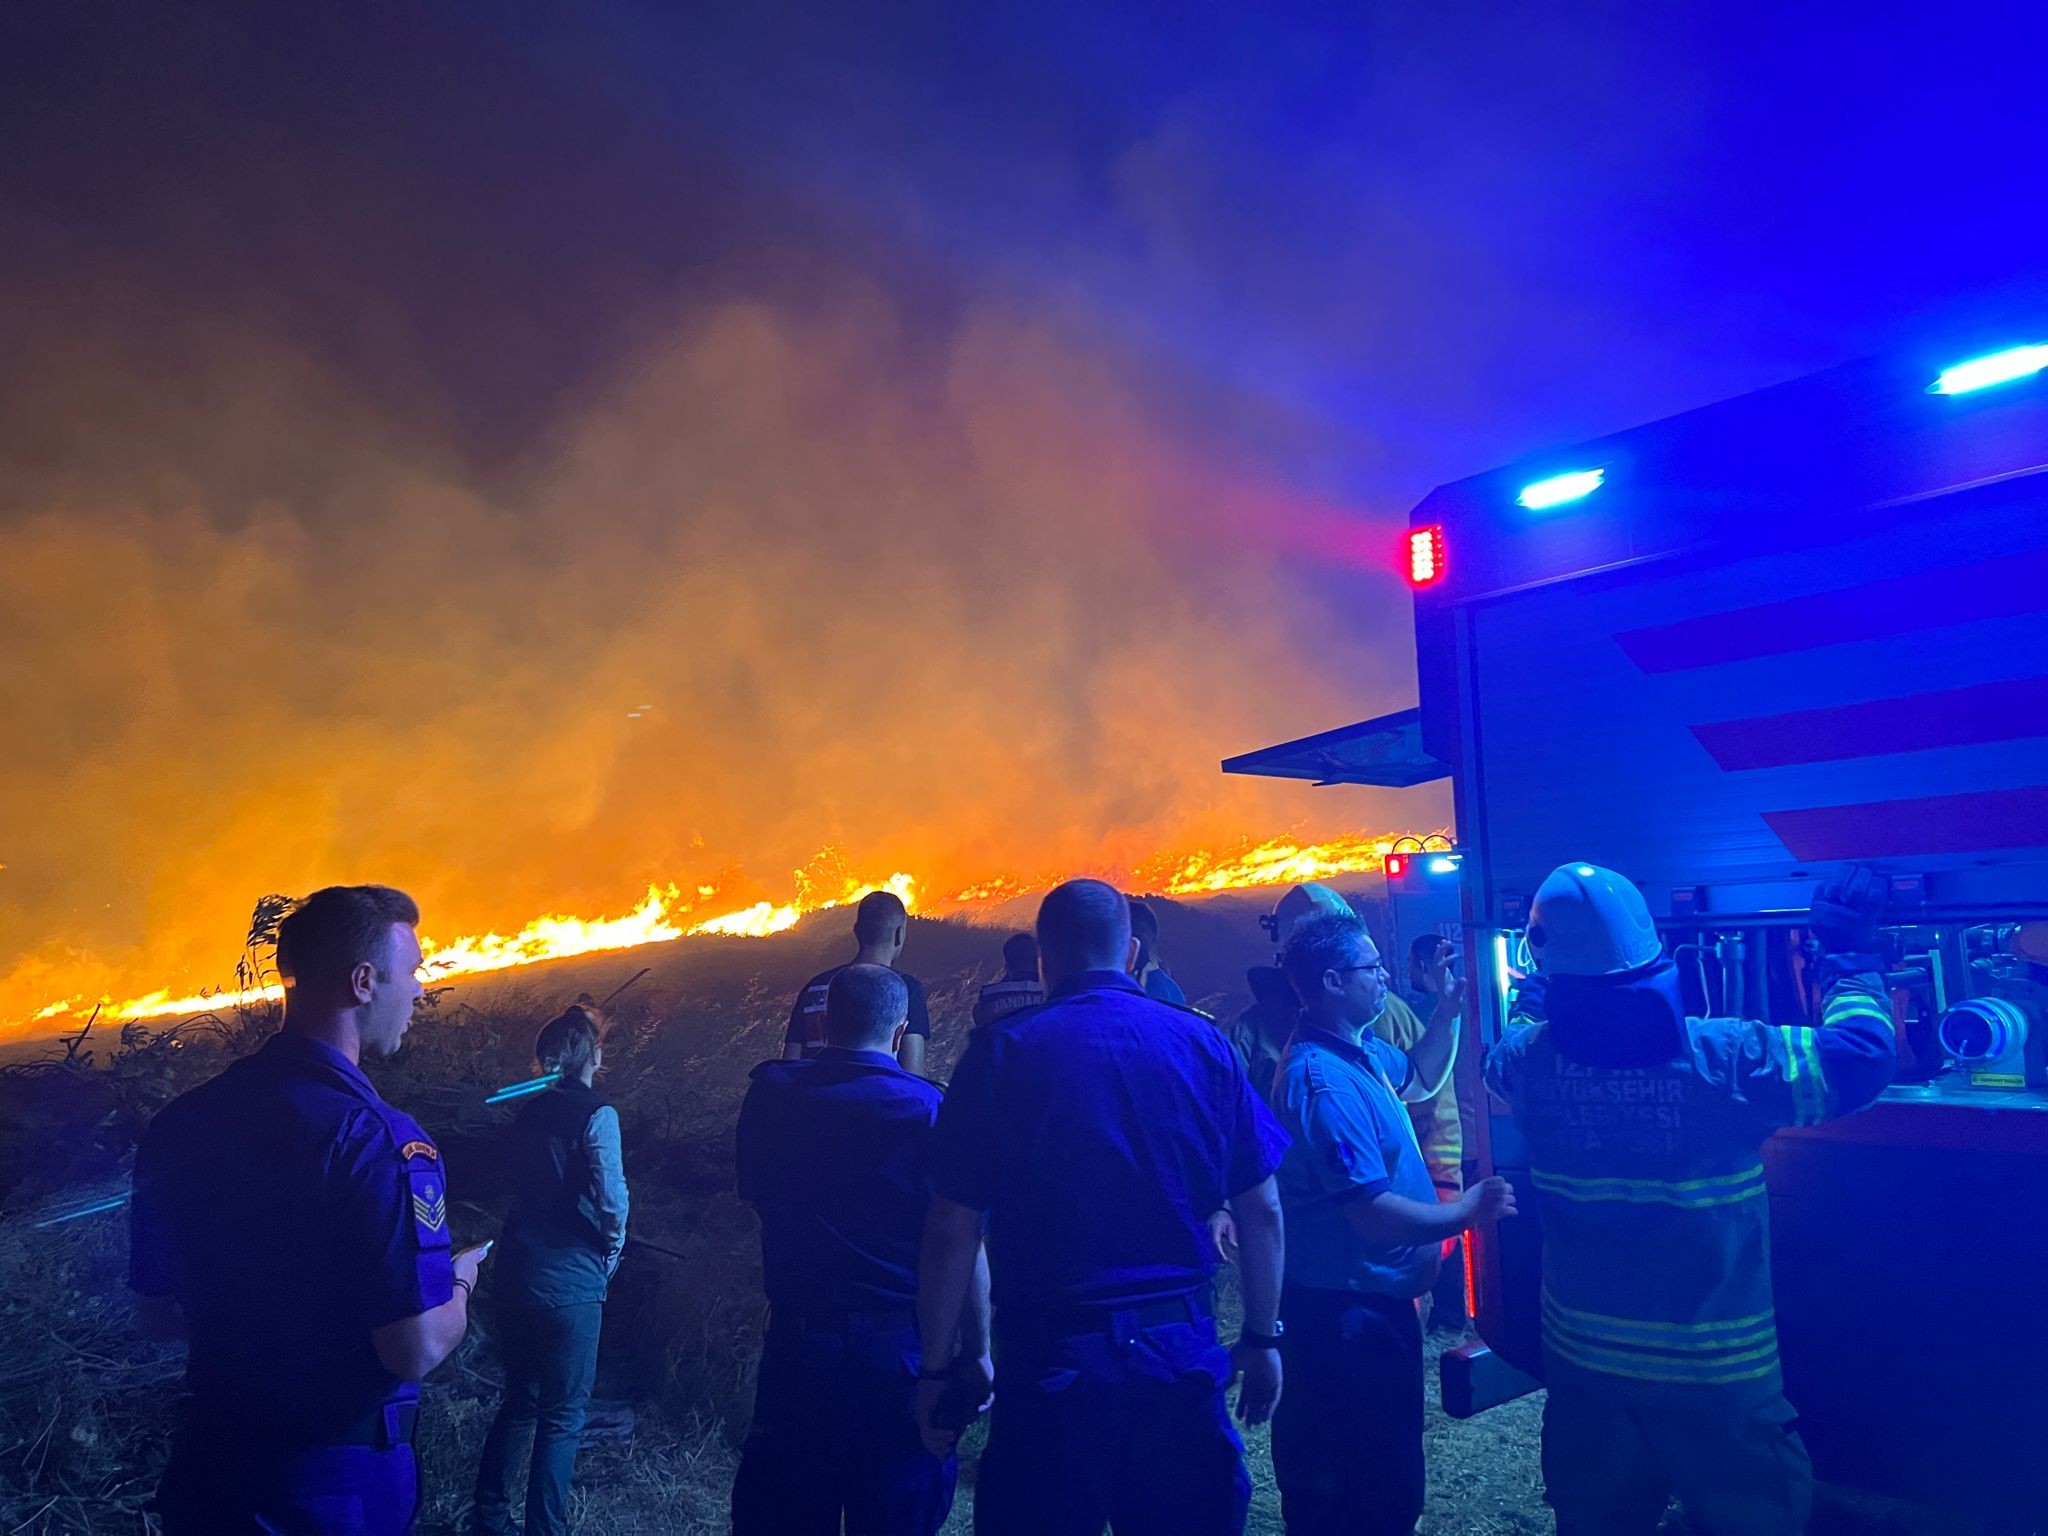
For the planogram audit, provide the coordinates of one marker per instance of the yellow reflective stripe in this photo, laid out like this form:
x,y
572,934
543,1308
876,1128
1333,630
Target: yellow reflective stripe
x,y
1686,1194
1852,1005
1597,1322
1717,1349
1803,1075
1711,1181
1677,1372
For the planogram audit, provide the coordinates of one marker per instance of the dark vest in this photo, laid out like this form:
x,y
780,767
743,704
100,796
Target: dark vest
x,y
552,1253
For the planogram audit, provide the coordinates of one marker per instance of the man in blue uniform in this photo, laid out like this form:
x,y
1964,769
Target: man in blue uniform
x,y
832,1155
1096,1134
294,1228
880,924
1660,1340
1018,987
1365,1228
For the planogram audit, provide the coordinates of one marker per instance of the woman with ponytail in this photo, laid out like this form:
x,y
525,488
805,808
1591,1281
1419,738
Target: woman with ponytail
x,y
561,1244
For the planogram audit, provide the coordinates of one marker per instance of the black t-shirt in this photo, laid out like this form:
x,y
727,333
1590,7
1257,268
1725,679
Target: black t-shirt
x,y
807,1014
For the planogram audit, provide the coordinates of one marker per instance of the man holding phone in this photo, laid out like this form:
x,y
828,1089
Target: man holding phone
x,y
293,1227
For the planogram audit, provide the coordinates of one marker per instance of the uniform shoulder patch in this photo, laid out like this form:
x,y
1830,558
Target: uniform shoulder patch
x,y
413,1149
429,1208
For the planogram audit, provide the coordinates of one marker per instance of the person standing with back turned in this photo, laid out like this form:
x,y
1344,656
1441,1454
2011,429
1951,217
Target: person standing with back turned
x,y
1018,987
562,1244
293,1227
831,1153
881,923
1096,1134
1660,1338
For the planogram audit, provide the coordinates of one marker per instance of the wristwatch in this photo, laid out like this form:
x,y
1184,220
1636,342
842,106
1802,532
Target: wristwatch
x,y
1263,1340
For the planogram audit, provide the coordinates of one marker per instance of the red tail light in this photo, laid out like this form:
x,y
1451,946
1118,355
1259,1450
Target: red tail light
x,y
1397,866
1425,555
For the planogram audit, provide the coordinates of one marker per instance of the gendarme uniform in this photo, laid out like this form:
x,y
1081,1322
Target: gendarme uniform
x,y
290,1212
1097,1133
832,1153
1660,1345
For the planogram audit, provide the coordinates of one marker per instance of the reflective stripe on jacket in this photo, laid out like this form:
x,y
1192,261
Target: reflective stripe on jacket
x,y
1656,1222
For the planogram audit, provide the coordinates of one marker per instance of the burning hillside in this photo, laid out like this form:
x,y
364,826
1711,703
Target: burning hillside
x,y
335,570
669,912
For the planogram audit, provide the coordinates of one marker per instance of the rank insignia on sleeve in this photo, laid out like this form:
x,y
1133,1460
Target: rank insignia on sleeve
x,y
429,1209
413,1149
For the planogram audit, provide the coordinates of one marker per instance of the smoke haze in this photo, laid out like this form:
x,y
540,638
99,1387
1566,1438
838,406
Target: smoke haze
x,y
526,454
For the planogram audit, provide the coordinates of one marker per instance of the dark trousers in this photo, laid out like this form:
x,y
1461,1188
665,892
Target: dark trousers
x,y
1610,1469
835,1433
550,1356
1125,1426
1347,1438
213,1488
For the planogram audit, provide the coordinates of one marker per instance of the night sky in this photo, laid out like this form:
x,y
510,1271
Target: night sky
x,y
961,424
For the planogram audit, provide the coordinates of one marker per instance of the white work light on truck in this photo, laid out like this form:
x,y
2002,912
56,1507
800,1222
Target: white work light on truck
x,y
2007,367
1542,495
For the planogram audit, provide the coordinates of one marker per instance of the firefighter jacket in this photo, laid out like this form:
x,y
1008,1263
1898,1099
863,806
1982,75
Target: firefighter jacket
x,y
1644,1130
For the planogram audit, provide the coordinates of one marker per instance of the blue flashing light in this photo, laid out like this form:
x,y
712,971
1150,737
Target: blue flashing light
x,y
520,1090
1444,864
1542,495
2006,367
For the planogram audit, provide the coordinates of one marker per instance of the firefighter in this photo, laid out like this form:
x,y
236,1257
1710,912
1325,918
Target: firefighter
x,y
1644,1129
1262,1031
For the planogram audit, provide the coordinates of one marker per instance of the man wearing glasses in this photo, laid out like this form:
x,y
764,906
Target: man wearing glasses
x,y
1364,1235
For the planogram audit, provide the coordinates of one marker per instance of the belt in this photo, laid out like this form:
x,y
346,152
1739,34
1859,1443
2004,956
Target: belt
x,y
1194,1307
384,1428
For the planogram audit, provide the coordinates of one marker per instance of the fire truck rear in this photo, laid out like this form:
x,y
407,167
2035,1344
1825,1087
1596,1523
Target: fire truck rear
x,y
1729,654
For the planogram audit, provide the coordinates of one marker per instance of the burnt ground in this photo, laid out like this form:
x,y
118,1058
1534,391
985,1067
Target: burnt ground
x,y
86,1405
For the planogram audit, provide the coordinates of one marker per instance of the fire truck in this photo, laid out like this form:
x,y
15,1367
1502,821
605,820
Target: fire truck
x,y
1728,654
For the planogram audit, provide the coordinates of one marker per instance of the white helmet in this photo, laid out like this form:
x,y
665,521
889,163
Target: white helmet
x,y
1587,921
1300,902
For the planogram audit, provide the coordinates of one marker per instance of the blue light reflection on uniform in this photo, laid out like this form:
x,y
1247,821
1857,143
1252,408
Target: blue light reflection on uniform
x,y
1541,495
2006,367
94,1208
519,1090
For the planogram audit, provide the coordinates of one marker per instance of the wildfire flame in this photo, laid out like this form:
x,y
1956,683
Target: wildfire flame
x,y
669,912
1278,862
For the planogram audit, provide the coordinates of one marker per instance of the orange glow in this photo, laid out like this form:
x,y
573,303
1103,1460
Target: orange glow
x,y
670,912
1280,861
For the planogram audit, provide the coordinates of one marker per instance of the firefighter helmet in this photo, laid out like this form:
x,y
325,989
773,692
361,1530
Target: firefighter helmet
x,y
1300,902
1587,921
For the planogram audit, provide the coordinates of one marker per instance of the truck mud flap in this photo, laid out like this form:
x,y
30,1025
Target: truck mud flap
x,y
1473,1379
